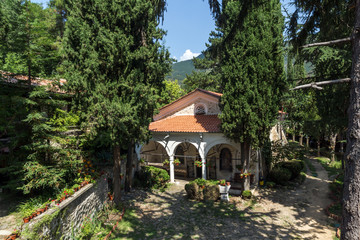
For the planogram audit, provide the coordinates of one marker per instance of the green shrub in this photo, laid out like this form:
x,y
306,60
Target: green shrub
x,y
152,177
294,166
200,181
246,194
270,184
280,175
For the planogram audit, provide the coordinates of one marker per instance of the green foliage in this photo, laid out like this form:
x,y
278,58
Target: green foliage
x,y
28,39
199,181
332,167
294,166
171,92
117,77
286,152
252,75
280,175
52,158
246,194
63,119
152,177
29,206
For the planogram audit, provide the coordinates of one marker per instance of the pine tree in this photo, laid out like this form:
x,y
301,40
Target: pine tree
x,y
252,73
115,65
27,39
329,17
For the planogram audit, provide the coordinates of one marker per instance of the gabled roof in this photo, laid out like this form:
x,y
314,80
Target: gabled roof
x,y
215,94
187,123
166,121
182,102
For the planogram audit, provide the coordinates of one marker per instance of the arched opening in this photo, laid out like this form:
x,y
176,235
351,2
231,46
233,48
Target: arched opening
x,y
186,153
225,160
154,154
221,161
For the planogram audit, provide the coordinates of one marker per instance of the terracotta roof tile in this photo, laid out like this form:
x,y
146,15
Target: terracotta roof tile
x,y
35,81
188,123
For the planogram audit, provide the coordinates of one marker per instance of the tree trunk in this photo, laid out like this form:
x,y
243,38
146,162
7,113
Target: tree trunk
x,y
117,171
307,142
129,162
341,143
301,139
318,147
245,159
350,227
332,145
28,44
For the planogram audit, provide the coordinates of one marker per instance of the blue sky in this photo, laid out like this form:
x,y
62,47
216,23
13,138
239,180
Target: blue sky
x,y
188,24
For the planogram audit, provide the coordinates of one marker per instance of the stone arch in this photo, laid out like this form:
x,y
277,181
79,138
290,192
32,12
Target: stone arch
x,y
217,142
175,144
213,158
154,152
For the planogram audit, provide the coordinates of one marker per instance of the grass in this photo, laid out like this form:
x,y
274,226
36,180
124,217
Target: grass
x,y
311,167
333,168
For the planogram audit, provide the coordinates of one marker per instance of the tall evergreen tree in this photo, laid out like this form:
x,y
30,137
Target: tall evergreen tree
x,y
27,39
327,17
115,65
252,71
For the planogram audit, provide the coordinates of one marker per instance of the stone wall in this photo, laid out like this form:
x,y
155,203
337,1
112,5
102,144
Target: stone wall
x,y
61,221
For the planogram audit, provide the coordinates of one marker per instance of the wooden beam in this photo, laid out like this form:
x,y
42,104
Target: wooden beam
x,y
338,41
317,85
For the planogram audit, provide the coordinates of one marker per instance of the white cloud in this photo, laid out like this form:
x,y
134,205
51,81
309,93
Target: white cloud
x,y
188,55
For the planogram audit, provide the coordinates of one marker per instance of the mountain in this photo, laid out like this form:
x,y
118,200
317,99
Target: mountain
x,y
180,69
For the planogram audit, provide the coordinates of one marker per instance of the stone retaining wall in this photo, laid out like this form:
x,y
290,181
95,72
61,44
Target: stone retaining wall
x,y
62,221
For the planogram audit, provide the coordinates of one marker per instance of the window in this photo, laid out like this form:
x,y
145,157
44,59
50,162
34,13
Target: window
x,y
179,153
225,159
200,109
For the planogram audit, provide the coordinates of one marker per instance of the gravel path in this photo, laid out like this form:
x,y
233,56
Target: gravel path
x,y
277,214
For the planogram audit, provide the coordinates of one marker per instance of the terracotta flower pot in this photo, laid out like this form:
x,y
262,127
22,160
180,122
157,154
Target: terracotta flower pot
x,y
12,237
26,219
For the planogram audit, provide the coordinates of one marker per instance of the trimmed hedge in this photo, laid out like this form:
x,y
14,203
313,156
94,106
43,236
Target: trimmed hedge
x,y
152,177
280,175
294,166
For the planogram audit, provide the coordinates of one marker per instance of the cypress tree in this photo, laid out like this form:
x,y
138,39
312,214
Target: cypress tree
x,y
115,65
252,73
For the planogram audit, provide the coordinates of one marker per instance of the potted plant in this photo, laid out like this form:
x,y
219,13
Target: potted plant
x,y
246,194
198,163
222,182
166,162
76,187
13,235
121,176
27,219
111,196
177,162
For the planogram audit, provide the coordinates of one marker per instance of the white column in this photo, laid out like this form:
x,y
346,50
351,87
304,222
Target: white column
x,y
172,173
203,167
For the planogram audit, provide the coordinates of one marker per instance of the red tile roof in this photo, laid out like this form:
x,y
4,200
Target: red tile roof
x,y
35,81
187,123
